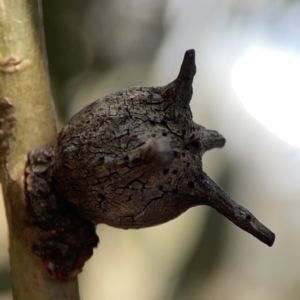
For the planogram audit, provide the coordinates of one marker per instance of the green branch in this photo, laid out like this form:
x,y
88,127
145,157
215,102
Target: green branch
x,y
27,121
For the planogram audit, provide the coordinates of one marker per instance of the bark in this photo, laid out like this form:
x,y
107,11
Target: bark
x,y
27,121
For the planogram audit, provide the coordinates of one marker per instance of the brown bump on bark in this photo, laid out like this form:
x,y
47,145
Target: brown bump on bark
x,y
7,124
116,154
61,237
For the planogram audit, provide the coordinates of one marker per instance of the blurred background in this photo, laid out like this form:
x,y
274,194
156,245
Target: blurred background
x,y
247,87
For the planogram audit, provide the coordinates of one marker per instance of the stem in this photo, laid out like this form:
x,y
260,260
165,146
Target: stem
x,y
27,115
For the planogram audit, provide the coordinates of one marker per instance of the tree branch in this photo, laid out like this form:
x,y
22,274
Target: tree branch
x,y
26,121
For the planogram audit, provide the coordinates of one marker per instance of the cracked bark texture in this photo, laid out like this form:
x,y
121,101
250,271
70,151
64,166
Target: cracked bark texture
x,y
133,159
